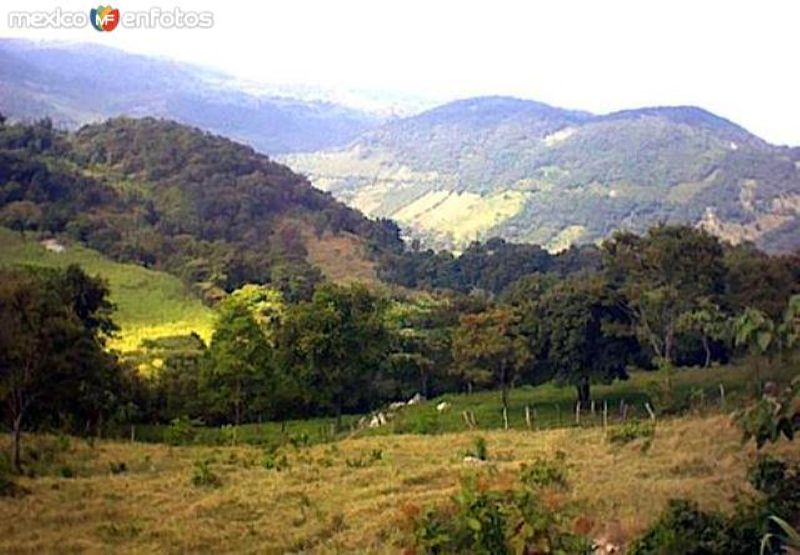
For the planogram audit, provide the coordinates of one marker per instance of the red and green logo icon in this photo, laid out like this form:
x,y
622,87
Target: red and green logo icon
x,y
104,18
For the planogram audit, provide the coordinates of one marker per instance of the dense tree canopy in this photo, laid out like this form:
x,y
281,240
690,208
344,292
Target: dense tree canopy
x,y
662,275
52,361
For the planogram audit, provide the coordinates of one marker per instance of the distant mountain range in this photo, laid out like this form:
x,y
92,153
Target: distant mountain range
x,y
470,169
529,172
75,84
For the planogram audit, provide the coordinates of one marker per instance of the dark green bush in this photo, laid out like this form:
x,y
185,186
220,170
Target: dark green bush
x,y
499,522
772,416
477,524
780,484
180,431
684,528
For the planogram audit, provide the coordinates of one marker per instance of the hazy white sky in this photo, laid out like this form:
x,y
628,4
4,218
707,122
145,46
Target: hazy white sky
x,y
738,59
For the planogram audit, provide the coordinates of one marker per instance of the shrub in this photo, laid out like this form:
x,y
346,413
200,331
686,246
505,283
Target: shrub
x,y
497,522
772,416
539,529
544,472
685,529
203,476
180,431
631,431
477,525
480,449
300,439
780,484
228,434
272,461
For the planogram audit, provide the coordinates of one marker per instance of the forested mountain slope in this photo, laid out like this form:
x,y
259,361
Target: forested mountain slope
x,y
529,172
166,196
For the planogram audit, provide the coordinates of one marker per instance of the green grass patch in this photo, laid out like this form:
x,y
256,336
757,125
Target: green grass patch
x,y
150,304
552,405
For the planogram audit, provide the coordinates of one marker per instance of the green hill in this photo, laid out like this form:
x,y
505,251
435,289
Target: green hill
x,y
528,172
149,304
166,196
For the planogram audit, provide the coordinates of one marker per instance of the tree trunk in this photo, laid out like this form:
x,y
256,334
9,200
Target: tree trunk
x,y
16,439
338,414
668,340
708,352
504,386
584,394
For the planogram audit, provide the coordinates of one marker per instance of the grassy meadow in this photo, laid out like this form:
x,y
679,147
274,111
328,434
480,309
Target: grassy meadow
x,y
551,406
358,495
150,304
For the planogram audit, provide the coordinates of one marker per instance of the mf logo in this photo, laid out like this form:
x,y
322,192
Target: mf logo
x,y
104,18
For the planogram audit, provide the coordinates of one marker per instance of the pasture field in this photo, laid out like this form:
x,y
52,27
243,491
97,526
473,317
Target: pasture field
x,y
551,406
150,304
358,495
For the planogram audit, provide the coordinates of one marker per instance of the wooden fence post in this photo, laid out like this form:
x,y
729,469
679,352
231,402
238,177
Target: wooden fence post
x,y
578,413
605,416
721,396
467,421
528,417
505,418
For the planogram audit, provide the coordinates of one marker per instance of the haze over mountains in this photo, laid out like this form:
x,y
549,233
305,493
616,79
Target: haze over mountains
x,y
470,169
75,84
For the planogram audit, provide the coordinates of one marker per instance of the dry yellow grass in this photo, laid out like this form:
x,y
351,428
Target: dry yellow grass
x,y
322,505
342,258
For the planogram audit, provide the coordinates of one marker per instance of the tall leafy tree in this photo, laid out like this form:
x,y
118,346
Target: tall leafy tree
x,y
708,322
240,373
488,348
52,360
581,333
662,276
334,344
421,328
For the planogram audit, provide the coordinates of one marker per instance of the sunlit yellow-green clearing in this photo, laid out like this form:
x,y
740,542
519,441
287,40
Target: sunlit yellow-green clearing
x,y
149,304
321,504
